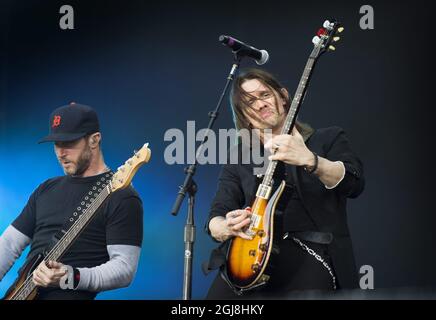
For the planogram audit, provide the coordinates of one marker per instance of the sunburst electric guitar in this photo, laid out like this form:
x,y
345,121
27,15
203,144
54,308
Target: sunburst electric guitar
x,y
23,288
249,261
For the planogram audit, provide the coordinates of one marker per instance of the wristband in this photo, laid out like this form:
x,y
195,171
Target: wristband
x,y
315,166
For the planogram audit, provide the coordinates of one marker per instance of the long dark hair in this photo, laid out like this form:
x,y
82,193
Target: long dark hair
x,y
238,98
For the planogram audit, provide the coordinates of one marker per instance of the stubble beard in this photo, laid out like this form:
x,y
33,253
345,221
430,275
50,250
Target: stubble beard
x,y
81,165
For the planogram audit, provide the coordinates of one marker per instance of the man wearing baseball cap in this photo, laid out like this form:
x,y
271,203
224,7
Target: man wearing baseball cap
x,y
105,255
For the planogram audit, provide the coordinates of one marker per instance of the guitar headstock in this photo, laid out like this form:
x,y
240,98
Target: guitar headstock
x,y
325,36
124,175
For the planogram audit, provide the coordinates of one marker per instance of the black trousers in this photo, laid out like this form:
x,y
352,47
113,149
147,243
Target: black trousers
x,y
59,294
295,269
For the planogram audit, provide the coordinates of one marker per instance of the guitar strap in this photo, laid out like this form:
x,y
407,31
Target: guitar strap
x,y
85,202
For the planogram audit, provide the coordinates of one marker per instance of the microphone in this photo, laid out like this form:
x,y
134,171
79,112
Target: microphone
x,y
261,56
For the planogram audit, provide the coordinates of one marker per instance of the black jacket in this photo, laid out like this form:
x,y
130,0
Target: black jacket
x,y
327,208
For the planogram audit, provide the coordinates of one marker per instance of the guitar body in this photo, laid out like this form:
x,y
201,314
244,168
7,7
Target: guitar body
x,y
23,275
249,261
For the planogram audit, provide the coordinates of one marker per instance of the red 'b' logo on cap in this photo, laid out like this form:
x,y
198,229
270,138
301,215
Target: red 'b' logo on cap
x,y
56,121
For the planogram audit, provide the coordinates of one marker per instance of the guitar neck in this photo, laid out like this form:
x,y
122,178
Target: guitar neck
x,y
322,43
298,96
265,188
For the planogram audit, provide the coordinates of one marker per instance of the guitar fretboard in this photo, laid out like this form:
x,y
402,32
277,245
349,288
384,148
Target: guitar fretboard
x,y
293,110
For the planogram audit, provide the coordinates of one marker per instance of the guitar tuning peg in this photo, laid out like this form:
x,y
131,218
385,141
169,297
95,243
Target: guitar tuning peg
x,y
332,48
328,25
341,29
336,39
316,40
135,152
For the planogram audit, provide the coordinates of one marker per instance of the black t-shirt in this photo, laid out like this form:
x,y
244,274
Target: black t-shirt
x,y
117,221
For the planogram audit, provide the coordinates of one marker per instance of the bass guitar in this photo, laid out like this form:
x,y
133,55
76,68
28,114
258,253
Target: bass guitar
x,y
23,288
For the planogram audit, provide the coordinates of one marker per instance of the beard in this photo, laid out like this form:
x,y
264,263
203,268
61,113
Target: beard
x,y
79,167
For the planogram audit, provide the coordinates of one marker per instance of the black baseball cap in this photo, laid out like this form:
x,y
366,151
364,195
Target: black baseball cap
x,y
71,122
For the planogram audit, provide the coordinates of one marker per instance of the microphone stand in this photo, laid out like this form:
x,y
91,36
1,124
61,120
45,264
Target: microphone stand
x,y
190,187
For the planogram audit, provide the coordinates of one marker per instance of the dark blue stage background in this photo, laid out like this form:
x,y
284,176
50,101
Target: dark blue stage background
x,y
147,68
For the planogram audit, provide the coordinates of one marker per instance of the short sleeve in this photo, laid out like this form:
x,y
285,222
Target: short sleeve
x,y
25,222
124,221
